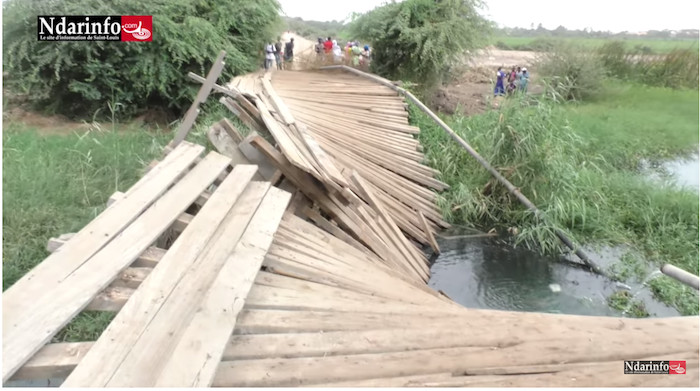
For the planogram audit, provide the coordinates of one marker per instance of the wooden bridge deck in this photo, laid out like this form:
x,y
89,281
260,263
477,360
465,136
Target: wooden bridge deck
x,y
221,274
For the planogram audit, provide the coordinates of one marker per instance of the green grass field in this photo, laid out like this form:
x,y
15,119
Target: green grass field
x,y
631,121
657,46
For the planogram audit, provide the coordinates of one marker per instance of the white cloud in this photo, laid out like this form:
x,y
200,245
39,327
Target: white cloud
x,y
612,15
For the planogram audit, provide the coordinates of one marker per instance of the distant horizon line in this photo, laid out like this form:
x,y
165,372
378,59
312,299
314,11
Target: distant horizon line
x,y
347,20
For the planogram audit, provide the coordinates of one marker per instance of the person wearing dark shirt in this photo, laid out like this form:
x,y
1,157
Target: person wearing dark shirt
x,y
319,46
289,50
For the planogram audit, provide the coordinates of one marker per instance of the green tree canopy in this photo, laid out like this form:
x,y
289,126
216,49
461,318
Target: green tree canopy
x,y
418,39
79,78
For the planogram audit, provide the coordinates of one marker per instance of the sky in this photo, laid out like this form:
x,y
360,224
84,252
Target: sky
x,y
603,15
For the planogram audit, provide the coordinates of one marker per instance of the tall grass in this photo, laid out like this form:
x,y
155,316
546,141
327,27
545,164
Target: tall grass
x,y
571,74
556,165
678,68
54,184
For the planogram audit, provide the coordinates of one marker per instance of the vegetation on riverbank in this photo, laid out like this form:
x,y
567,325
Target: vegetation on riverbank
x,y
644,45
103,78
577,164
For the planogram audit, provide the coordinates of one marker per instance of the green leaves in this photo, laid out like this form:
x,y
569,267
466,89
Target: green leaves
x,y
80,78
417,39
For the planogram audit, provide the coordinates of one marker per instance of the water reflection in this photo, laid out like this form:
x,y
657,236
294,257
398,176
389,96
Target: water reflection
x,y
484,274
683,172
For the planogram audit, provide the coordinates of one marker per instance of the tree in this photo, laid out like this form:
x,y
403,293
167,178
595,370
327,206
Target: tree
x,y
418,40
81,78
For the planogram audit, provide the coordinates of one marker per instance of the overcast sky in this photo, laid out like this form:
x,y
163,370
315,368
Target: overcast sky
x,y
612,15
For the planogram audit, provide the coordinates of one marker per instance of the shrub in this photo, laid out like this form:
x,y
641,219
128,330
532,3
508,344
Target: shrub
x,y
503,46
80,78
417,40
677,69
571,73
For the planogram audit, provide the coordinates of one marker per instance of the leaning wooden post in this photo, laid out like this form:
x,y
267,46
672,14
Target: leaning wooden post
x,y
204,91
512,189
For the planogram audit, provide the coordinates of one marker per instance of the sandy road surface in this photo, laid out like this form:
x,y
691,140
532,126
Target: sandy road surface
x,y
506,58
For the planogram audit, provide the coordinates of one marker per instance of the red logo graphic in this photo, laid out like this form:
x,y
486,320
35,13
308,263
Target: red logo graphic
x,y
676,367
137,28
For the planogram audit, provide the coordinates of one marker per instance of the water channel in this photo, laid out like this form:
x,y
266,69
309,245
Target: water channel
x,y
483,273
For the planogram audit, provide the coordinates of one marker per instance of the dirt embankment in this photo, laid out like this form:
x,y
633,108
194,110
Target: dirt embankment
x,y
472,92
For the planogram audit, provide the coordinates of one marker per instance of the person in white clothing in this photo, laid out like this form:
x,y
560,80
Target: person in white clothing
x,y
269,56
337,52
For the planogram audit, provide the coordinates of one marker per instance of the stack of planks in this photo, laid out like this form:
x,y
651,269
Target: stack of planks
x,y
198,285
364,172
365,126
323,313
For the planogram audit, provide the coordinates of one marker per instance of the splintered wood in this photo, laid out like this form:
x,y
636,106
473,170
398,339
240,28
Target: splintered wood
x,y
347,145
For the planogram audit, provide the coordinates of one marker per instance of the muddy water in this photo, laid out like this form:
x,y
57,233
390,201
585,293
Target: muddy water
x,y
485,274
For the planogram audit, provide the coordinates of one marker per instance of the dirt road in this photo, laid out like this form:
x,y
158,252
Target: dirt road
x,y
472,93
492,57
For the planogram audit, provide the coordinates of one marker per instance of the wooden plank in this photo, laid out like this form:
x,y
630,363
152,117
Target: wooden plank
x,y
253,111
110,300
292,148
225,90
26,323
323,160
267,170
117,340
100,230
149,258
116,196
48,313
202,96
331,228
155,342
194,361
226,146
429,232
132,277
306,371
231,130
55,360
243,115
400,240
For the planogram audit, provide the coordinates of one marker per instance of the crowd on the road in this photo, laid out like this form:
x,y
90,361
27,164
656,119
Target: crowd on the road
x,y
353,52
507,83
328,49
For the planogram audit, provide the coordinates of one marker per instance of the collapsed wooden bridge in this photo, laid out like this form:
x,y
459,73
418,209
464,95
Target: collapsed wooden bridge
x,y
298,265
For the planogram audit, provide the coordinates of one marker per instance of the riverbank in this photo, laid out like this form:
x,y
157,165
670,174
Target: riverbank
x,y
578,164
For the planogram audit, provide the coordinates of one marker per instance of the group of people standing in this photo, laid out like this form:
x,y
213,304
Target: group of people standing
x,y
275,54
516,80
330,47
